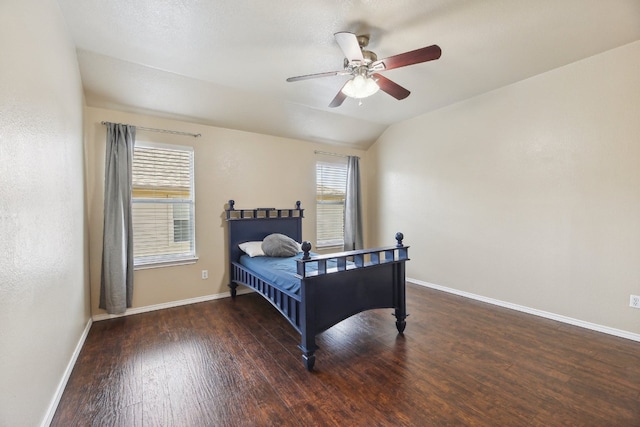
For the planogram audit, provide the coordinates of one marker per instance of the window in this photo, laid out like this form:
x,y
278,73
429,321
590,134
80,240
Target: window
x,y
331,183
162,204
181,224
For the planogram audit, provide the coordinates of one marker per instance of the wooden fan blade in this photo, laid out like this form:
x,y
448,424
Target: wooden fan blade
x,y
392,88
348,42
339,99
316,75
417,56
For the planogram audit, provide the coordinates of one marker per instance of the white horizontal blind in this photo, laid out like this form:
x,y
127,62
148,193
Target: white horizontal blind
x,y
162,204
331,184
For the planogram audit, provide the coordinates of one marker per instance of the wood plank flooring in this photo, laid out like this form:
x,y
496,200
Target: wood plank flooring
x,y
460,362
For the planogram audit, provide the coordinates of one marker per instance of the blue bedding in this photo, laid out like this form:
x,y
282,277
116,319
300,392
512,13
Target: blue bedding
x,y
280,272
277,271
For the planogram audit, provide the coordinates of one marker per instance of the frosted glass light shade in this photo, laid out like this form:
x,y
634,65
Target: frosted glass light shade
x,y
360,87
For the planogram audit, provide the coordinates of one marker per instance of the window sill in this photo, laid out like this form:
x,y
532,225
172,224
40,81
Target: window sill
x,y
159,264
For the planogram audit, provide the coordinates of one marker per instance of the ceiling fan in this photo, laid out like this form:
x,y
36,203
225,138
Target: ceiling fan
x,y
365,68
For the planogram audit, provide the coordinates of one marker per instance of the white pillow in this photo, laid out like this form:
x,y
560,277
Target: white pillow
x,y
252,248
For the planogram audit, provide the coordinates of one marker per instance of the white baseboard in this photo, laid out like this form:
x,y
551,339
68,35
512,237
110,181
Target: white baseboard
x,y
535,312
170,304
65,378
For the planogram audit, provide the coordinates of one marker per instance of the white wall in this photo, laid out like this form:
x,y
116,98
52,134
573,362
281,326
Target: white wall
x,y
253,169
44,301
529,194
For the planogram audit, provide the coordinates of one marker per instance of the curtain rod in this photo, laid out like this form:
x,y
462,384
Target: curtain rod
x,y
173,132
332,154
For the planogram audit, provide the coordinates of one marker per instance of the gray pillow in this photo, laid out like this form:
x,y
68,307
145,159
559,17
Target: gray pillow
x,y
279,245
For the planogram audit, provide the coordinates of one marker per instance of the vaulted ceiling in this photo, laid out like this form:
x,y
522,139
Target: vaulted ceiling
x,y
225,62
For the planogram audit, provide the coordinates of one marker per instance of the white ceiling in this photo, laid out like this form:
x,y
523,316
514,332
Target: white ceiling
x,y
224,62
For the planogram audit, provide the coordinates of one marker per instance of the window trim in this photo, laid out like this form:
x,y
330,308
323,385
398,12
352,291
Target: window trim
x,y
158,261
334,243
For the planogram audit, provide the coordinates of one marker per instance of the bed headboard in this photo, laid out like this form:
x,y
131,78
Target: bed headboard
x,y
255,224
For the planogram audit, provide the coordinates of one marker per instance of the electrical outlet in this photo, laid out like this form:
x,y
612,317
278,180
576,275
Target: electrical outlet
x,y
634,301
205,274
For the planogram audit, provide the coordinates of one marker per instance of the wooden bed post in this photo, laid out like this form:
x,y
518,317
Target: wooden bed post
x,y
308,357
401,307
400,291
232,285
307,323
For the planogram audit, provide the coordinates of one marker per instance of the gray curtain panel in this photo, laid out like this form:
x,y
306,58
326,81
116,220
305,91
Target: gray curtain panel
x,y
116,282
353,206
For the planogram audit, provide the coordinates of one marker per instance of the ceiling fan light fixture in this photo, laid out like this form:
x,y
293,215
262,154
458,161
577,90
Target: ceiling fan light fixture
x,y
360,87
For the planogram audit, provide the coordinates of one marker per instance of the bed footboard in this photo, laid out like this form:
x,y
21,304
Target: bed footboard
x,y
357,281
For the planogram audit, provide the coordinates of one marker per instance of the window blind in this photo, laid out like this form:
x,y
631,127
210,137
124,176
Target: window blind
x,y
331,182
162,204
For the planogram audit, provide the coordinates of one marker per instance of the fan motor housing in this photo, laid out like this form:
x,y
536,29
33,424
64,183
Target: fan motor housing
x,y
369,56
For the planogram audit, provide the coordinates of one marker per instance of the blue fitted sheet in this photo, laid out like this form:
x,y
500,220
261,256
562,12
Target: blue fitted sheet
x,y
281,272
277,271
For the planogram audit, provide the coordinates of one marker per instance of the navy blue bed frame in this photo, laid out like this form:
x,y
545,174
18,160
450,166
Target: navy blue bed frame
x,y
363,280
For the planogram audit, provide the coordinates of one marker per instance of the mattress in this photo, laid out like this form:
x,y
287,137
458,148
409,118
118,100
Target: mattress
x,y
281,272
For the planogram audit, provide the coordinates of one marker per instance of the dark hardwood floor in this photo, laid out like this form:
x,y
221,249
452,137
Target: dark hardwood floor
x,y
460,362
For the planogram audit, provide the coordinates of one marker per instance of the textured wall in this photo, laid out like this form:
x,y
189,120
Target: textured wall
x,y
529,194
43,290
